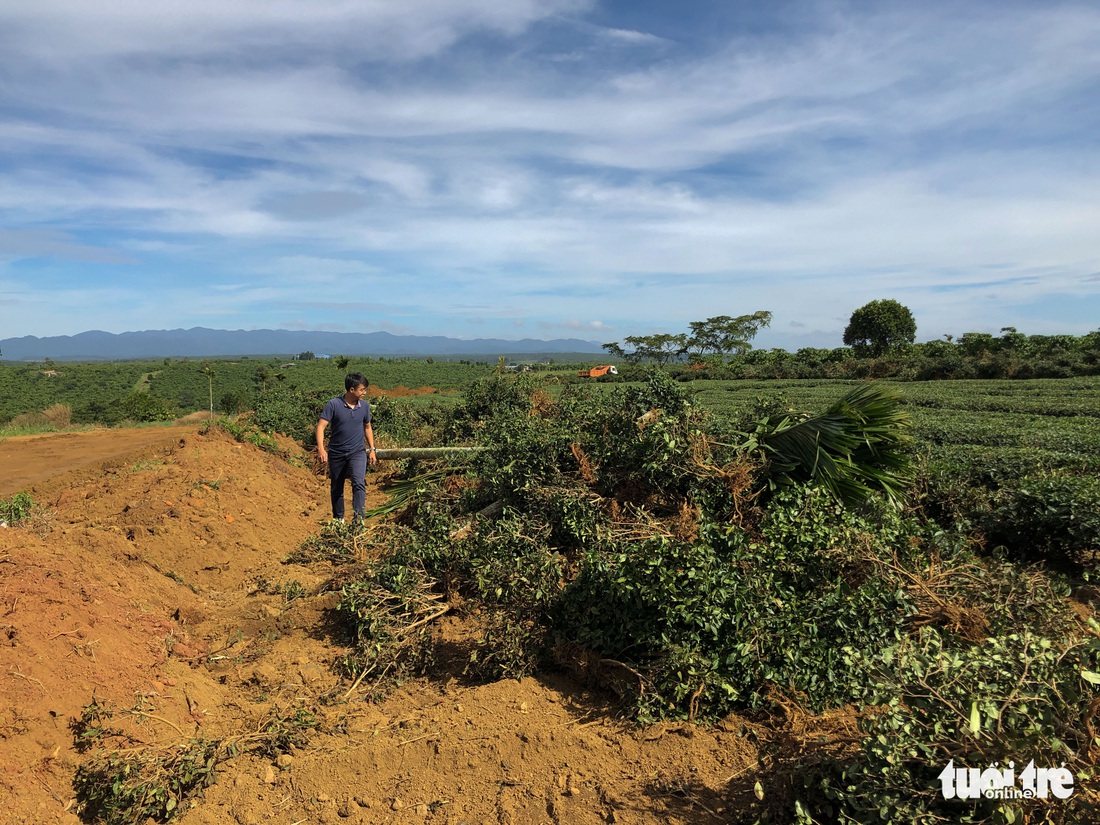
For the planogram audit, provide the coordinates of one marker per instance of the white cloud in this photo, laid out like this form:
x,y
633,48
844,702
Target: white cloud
x,y
584,326
633,37
64,30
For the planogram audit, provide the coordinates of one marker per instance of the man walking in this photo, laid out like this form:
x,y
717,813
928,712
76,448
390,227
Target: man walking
x,y
350,445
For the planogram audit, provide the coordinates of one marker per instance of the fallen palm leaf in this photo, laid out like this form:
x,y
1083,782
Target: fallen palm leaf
x,y
854,449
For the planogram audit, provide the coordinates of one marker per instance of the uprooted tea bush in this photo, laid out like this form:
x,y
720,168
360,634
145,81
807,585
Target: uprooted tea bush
x,y
619,523
1004,703
137,784
711,622
127,788
695,567
334,543
1035,506
388,607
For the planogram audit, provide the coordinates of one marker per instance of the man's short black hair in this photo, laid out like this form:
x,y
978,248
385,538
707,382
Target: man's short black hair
x,y
354,379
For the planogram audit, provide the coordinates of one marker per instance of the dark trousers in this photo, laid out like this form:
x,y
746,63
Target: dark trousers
x,y
342,468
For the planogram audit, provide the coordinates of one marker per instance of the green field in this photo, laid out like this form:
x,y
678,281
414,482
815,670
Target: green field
x,y
1006,426
168,388
110,392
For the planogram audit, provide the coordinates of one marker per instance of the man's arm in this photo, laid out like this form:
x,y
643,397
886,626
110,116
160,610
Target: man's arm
x,y
368,434
320,435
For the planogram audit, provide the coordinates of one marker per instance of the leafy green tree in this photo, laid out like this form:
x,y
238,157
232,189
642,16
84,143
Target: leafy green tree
x,y
234,402
723,335
640,349
341,362
140,406
1054,344
262,375
976,344
878,327
1013,341
615,350
308,355
661,347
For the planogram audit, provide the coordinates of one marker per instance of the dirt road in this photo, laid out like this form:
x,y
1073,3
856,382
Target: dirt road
x,y
30,459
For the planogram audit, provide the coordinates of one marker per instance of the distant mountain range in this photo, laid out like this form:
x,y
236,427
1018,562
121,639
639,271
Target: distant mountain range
x,y
204,343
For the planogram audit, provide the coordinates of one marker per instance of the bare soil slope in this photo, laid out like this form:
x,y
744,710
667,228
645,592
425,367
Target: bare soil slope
x,y
30,459
156,581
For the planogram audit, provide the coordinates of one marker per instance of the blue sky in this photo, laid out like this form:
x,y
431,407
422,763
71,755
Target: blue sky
x,y
548,168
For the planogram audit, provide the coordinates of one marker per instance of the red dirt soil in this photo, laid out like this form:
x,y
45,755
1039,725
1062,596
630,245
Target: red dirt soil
x,y
140,585
401,391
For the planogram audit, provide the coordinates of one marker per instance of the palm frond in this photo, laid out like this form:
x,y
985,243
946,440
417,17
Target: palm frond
x,y
403,490
853,449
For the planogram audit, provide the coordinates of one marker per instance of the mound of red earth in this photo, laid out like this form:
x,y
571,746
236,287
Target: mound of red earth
x,y
154,582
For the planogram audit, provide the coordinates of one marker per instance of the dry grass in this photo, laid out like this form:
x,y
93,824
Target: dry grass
x,y
542,405
790,739
31,419
584,464
39,521
60,415
934,592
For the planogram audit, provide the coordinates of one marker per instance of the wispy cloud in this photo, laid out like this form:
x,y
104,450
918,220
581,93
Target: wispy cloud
x,y
581,326
633,37
31,243
72,31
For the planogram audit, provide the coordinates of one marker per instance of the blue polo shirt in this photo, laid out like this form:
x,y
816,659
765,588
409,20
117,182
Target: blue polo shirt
x,y
347,425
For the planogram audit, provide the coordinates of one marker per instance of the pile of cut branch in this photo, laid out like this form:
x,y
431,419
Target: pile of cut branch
x,y
391,615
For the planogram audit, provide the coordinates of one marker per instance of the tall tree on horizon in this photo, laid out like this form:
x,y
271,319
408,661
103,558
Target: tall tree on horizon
x,y
878,327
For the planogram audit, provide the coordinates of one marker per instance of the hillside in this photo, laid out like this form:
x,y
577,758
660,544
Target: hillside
x,y
155,585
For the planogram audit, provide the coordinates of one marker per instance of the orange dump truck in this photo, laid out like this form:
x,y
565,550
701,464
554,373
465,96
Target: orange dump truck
x,y
596,372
